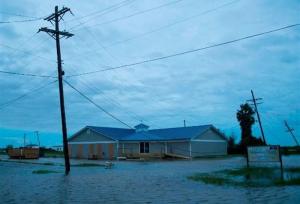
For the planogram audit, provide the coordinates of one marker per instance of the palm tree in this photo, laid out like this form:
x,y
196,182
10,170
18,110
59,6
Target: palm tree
x,y
246,120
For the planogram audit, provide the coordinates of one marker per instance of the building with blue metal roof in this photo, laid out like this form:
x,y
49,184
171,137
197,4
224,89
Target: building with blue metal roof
x,y
109,143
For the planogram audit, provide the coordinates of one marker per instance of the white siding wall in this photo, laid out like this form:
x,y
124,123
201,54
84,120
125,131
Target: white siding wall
x,y
208,148
181,148
209,143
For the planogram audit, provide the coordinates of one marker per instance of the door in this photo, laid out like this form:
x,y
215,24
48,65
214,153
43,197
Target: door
x,y
111,151
79,151
99,151
91,152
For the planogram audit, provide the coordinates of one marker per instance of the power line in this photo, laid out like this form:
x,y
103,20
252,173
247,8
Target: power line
x,y
170,24
26,52
20,21
187,52
15,14
108,10
3,105
102,47
114,102
138,13
166,26
26,74
101,108
100,11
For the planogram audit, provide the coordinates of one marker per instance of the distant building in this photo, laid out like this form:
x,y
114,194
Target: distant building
x,y
58,148
108,143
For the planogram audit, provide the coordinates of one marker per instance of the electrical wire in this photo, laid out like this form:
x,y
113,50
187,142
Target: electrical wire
x,y
137,13
8,103
108,10
99,11
15,14
171,24
26,74
99,107
186,52
27,52
21,21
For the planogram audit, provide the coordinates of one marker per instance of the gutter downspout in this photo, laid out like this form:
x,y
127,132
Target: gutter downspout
x,y
166,147
118,148
190,150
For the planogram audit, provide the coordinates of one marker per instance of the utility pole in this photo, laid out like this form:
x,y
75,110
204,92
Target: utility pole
x,y
24,140
255,103
56,34
291,130
38,138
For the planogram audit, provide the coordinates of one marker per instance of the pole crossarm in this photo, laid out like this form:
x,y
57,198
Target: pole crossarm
x,y
52,32
60,13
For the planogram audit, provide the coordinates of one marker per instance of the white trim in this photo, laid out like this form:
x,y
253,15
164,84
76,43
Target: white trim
x,y
95,142
208,140
153,141
190,147
118,148
166,147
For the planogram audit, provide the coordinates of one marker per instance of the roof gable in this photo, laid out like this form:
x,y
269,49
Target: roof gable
x,y
122,134
113,133
142,136
182,133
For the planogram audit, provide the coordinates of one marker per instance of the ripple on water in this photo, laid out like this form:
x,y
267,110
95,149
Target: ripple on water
x,y
132,182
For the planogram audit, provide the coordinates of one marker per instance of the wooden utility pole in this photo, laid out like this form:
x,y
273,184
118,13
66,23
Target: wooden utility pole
x,y
56,34
254,100
38,137
24,140
291,130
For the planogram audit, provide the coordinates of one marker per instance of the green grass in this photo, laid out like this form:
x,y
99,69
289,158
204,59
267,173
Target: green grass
x,y
288,182
209,179
293,169
48,163
249,177
43,171
253,172
54,154
87,165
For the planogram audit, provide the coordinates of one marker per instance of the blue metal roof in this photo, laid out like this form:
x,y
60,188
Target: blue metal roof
x,y
180,133
141,125
142,136
122,134
113,133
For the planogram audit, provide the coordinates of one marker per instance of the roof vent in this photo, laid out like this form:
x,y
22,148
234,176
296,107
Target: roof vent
x,y
141,127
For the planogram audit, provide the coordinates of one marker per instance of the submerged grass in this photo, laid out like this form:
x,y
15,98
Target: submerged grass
x,y
288,182
293,169
249,177
209,179
87,165
30,162
44,171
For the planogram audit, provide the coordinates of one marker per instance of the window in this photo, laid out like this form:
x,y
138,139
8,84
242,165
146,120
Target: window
x,y
144,147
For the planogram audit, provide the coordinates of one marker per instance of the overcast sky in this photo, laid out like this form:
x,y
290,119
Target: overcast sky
x,y
204,87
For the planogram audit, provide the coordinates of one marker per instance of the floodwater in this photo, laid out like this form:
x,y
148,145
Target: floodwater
x,y
134,182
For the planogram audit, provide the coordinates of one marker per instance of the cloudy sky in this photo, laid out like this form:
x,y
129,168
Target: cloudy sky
x,y
204,87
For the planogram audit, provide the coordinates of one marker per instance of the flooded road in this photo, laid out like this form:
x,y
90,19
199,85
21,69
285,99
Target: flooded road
x,y
134,182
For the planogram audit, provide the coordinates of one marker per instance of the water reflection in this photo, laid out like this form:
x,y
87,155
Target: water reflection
x,y
134,182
